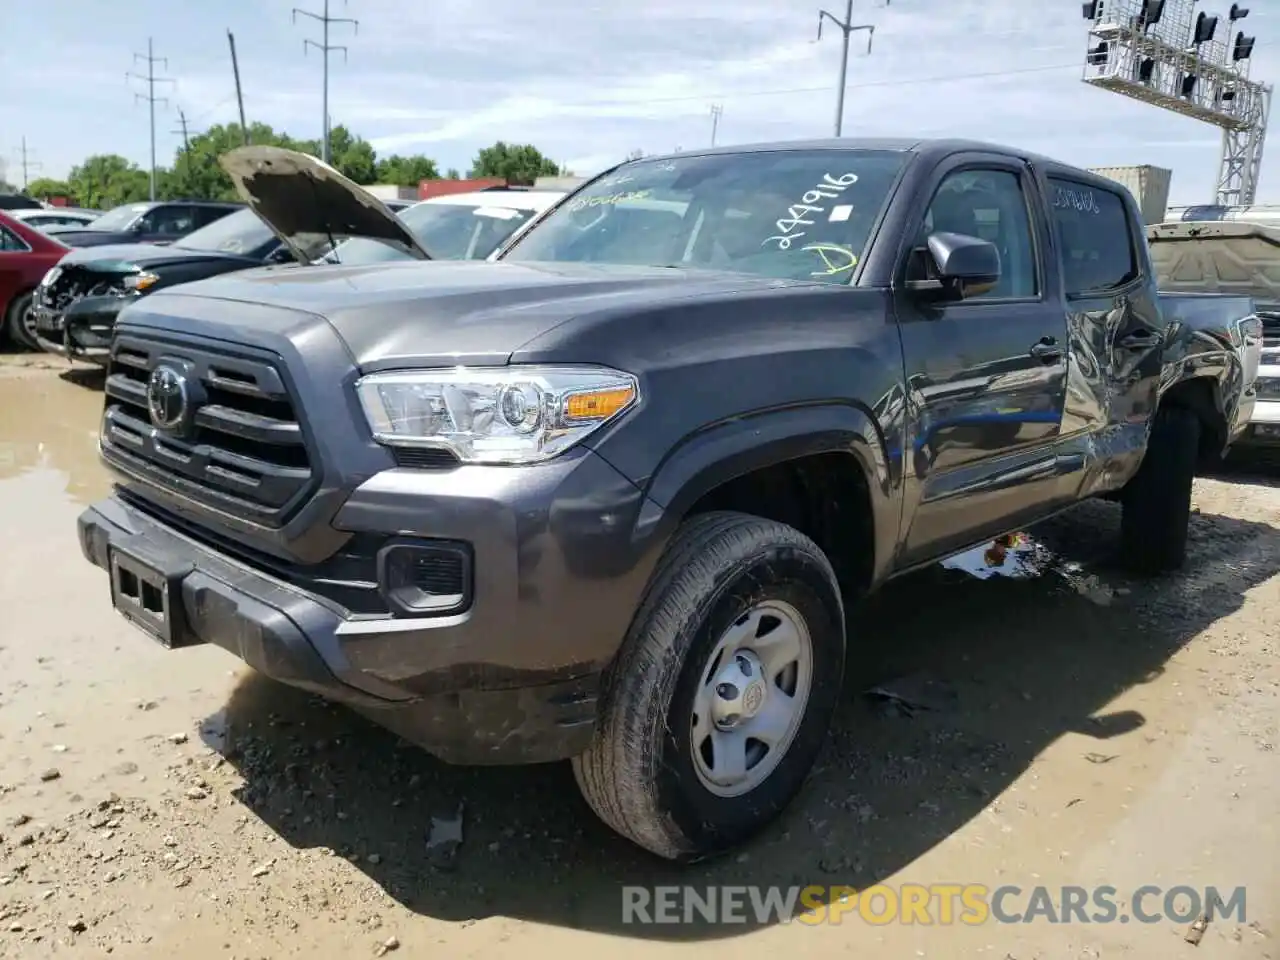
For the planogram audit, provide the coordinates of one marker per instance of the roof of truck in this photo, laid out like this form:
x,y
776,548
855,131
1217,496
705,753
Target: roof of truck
x,y
931,149
941,146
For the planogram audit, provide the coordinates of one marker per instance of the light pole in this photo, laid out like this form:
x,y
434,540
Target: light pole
x,y
846,27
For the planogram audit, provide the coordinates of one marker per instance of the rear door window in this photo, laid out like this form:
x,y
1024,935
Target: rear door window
x,y
10,242
1095,237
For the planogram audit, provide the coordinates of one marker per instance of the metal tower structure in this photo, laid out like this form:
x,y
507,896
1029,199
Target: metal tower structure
x,y
1174,56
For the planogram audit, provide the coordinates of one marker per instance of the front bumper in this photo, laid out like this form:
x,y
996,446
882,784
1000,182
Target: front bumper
x,y
475,713
1264,419
1264,426
82,331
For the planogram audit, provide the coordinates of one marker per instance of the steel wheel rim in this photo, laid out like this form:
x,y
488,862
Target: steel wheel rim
x,y
27,320
751,698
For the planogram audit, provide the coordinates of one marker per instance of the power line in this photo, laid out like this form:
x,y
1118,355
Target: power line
x,y
783,91
324,20
28,164
150,59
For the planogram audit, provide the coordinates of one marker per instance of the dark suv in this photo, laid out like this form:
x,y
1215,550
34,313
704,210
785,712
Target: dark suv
x,y
613,497
160,222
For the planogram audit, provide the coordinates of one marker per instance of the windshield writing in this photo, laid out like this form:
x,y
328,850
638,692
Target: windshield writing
x,y
787,214
118,218
242,232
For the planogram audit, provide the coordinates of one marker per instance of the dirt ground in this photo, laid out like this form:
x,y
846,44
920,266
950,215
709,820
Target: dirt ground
x,y
1068,726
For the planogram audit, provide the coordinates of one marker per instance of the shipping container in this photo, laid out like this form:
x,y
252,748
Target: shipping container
x,y
389,191
1149,186
559,183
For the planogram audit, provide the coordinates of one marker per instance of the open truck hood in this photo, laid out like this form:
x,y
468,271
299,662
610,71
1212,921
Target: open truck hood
x,y
1235,257
306,202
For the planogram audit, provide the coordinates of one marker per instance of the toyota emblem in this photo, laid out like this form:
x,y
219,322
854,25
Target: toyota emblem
x,y
167,398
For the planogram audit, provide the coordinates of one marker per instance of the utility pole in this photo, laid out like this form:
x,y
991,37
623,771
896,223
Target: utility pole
x,y
27,163
186,142
235,68
151,60
325,48
717,111
846,27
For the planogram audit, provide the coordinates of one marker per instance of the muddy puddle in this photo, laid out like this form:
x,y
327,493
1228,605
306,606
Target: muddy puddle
x,y
49,436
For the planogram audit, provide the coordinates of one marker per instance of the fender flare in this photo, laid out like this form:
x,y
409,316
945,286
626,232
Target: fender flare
x,y
733,448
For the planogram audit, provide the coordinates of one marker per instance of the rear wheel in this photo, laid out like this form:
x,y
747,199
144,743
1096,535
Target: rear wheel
x,y
20,322
1157,501
721,696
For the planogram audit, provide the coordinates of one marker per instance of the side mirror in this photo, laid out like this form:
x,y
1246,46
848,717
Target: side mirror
x,y
962,266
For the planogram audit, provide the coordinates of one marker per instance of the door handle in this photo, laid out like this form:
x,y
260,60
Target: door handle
x,y
1140,341
1047,350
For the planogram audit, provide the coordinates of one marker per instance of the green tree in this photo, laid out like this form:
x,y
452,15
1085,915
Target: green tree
x,y
108,180
42,187
352,156
453,174
196,173
518,164
406,171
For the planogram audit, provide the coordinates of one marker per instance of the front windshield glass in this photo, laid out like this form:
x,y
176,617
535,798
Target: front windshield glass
x,y
118,218
448,231
242,232
793,214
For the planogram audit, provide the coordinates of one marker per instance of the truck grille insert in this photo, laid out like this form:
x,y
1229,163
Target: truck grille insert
x,y
236,443
1270,329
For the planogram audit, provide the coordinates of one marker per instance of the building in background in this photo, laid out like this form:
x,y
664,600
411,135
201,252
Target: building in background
x,y
1149,186
442,187
389,191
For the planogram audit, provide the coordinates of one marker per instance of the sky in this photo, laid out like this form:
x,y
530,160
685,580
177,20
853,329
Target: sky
x,y
589,82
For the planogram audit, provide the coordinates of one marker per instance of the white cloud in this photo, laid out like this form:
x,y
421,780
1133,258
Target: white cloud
x,y
588,82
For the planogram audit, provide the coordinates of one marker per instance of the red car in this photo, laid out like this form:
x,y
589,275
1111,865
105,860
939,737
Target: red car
x,y
26,255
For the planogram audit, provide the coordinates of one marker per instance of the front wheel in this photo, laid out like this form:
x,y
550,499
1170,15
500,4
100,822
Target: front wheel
x,y
20,323
721,696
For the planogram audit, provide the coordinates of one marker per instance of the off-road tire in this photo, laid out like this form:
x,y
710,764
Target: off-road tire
x,y
13,323
638,774
1157,501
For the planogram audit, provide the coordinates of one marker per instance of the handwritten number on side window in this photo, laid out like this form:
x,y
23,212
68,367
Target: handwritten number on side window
x,y
812,202
1082,201
836,258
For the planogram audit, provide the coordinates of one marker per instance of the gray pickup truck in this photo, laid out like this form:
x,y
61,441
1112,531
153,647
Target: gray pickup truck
x,y
1233,257
614,495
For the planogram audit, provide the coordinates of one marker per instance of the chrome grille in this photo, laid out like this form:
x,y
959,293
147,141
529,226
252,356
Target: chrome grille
x,y
1270,329
241,447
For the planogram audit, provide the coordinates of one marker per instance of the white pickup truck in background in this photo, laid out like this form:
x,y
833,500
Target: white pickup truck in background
x,y
1232,257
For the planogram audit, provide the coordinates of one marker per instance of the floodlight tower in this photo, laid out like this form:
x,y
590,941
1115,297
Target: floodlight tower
x,y
1170,55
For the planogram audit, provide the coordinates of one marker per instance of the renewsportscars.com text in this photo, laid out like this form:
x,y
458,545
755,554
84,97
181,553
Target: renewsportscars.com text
x,y
928,904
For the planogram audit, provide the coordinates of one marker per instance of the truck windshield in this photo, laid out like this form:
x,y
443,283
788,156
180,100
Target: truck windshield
x,y
241,232
448,231
792,214
118,218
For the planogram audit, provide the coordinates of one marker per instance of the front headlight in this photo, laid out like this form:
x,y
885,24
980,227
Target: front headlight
x,y
51,277
501,415
137,282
